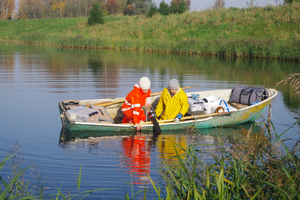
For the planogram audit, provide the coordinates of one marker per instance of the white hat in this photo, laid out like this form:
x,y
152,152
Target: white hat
x,y
173,84
145,83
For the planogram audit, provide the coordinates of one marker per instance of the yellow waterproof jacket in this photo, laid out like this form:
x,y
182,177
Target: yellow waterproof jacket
x,y
171,107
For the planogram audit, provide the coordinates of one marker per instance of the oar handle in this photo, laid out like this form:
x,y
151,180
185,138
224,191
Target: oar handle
x,y
192,117
197,116
153,94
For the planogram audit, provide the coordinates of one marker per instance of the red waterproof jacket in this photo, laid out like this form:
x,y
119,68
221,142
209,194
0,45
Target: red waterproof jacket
x,y
133,104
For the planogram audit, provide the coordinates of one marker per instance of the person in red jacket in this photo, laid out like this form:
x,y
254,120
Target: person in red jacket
x,y
132,106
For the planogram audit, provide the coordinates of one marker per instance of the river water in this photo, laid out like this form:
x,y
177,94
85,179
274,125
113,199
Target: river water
x,y
34,79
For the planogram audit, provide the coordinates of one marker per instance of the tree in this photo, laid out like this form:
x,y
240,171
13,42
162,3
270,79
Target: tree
x,y
219,4
129,10
6,9
179,6
137,7
250,4
111,6
152,10
58,7
291,1
30,9
164,8
96,16
121,5
142,7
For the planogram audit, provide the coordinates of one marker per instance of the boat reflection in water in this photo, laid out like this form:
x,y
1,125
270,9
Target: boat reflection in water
x,y
134,150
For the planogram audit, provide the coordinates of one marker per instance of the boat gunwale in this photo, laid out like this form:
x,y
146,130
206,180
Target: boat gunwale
x,y
188,121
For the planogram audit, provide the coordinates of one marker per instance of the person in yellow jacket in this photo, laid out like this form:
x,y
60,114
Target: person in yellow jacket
x,y
173,102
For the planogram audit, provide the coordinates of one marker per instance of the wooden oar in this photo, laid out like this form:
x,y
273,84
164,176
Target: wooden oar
x,y
120,101
155,123
198,116
193,117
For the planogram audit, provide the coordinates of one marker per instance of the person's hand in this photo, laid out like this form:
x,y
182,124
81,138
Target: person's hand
x,y
138,127
179,116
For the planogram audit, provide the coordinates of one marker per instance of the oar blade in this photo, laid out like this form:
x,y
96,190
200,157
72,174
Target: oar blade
x,y
156,125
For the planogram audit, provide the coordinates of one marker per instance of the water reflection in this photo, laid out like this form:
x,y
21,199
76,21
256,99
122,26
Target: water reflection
x,y
33,79
136,151
109,72
170,145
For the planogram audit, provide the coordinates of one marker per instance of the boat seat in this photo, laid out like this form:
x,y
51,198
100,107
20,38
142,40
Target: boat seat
x,y
69,104
238,105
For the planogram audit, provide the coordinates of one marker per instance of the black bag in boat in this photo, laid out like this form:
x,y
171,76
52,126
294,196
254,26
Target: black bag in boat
x,y
247,95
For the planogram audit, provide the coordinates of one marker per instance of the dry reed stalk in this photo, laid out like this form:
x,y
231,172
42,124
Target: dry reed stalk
x,y
293,80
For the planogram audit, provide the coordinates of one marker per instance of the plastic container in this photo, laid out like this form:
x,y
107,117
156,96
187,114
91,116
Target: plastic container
x,y
222,106
103,115
210,101
196,105
83,114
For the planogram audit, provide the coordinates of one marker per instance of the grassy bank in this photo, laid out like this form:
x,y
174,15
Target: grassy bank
x,y
269,32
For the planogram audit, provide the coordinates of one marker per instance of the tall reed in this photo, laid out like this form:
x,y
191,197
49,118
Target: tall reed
x,y
254,166
16,187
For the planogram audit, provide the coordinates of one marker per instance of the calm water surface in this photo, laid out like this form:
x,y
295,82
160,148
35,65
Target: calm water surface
x,y
34,79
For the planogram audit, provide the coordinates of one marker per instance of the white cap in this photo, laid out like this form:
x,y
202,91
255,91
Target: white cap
x,y
145,83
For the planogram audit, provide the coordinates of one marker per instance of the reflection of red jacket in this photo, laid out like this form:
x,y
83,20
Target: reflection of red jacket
x,y
133,104
135,149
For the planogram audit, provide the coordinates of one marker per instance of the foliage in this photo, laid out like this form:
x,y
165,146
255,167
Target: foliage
x,y
291,1
142,7
294,80
152,10
254,167
259,32
250,4
112,7
96,15
219,4
164,8
6,9
16,187
129,10
179,6
137,7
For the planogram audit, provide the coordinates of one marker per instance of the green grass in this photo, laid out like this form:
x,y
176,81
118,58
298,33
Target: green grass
x,y
17,187
261,32
256,166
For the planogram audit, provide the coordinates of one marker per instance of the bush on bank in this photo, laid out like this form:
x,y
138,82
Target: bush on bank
x,y
262,32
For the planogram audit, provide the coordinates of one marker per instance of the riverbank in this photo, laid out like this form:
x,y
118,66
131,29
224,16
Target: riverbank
x,y
269,32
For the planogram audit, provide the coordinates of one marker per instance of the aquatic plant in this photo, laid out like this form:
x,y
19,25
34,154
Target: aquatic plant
x,y
293,80
17,187
255,166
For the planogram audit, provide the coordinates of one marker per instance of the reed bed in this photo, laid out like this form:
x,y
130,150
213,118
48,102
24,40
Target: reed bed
x,y
258,32
17,187
254,166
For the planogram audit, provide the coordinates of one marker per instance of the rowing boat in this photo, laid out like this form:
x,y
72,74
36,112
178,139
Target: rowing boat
x,y
242,114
